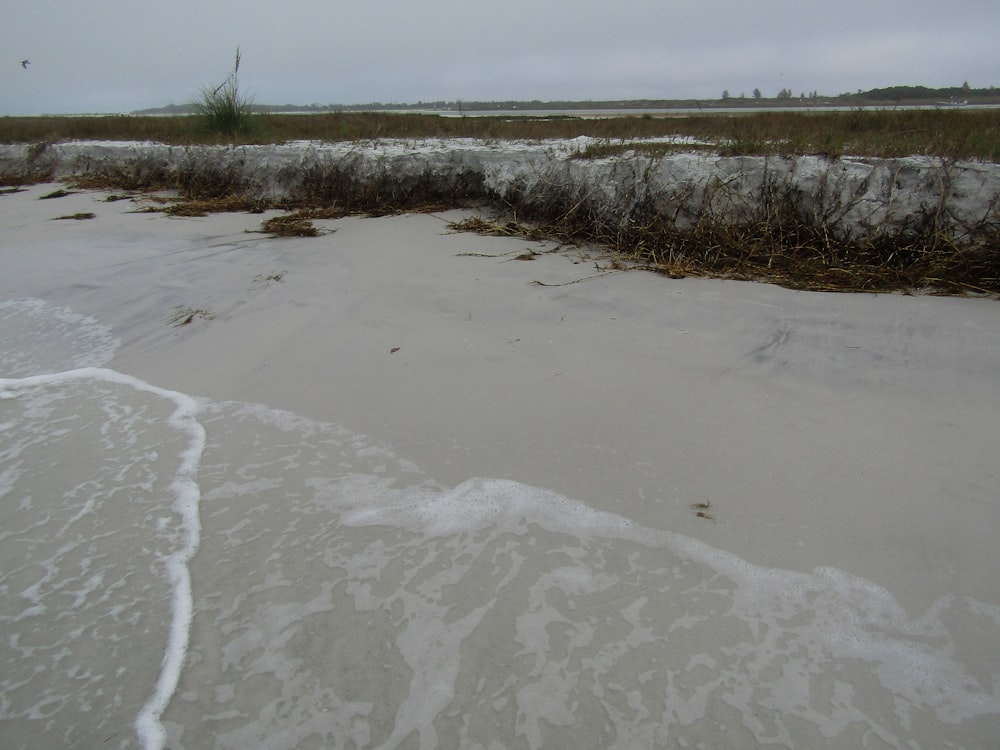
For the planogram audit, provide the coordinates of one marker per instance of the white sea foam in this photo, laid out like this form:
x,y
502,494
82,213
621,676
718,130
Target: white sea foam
x,y
39,337
110,476
796,628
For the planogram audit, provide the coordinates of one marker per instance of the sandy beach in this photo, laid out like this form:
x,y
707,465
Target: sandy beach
x,y
397,486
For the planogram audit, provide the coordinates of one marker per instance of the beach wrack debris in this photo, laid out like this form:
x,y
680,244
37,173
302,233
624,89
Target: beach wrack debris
x,y
78,216
701,510
187,315
55,194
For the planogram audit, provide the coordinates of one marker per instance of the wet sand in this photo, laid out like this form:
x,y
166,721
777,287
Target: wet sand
x,y
442,504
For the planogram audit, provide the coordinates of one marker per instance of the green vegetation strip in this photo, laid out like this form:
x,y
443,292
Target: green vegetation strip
x,y
955,133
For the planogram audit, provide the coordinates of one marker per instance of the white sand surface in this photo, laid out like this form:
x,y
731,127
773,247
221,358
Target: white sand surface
x,y
441,505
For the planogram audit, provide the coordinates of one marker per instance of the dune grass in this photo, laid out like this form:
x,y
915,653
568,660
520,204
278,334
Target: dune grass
x,y
225,110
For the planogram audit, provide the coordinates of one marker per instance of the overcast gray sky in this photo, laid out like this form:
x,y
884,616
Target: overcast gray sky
x,y
122,55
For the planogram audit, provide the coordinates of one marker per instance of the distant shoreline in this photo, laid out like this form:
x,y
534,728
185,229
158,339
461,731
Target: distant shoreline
x,y
541,109
896,96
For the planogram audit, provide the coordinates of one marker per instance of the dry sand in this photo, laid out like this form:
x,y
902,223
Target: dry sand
x,y
802,471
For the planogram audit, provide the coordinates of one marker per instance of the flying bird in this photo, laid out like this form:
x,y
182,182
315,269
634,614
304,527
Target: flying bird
x,y
25,64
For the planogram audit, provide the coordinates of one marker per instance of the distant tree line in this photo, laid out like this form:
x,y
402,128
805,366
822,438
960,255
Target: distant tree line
x,y
894,93
889,94
882,95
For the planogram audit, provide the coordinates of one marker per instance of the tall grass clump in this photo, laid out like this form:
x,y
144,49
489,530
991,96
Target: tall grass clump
x,y
224,110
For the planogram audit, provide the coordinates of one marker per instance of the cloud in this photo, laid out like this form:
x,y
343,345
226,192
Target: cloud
x,y
114,55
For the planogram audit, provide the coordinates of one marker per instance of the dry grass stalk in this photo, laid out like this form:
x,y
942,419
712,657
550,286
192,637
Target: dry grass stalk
x,y
772,237
227,204
290,225
488,228
60,193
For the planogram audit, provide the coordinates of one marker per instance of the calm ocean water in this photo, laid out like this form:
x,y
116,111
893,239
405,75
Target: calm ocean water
x,y
178,572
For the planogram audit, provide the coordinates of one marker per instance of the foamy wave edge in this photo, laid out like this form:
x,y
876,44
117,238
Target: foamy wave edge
x,y
187,498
